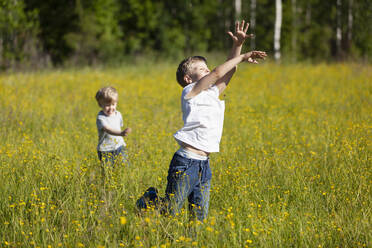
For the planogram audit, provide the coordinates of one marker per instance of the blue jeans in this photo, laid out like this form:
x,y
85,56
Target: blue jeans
x,y
189,178
109,158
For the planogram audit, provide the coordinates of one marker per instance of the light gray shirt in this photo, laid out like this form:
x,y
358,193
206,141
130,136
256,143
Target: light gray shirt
x,y
108,142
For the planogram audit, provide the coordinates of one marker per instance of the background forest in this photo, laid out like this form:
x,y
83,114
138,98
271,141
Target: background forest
x,y
36,34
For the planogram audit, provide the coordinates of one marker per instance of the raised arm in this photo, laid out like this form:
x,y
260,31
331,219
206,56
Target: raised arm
x,y
221,70
238,38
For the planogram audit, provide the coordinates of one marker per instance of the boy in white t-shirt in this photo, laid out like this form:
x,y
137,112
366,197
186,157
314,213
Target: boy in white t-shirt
x,y
111,145
189,173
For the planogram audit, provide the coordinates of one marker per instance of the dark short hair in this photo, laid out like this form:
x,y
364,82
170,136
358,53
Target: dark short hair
x,y
185,66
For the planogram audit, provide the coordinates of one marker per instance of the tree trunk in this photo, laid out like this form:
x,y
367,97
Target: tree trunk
x,y
349,25
278,25
338,28
294,31
238,9
252,25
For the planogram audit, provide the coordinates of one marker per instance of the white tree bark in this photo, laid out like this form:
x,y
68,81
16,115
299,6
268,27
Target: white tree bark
x,y
338,27
350,23
238,9
278,26
252,25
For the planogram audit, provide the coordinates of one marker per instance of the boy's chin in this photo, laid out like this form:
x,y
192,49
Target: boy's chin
x,y
108,114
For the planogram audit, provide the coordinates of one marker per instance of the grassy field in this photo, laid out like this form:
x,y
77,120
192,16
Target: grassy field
x,y
294,168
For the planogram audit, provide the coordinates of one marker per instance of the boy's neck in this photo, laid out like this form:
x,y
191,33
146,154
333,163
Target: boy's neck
x,y
187,84
114,113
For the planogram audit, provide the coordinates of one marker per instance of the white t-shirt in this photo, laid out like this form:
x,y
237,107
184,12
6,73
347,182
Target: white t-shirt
x,y
203,119
108,142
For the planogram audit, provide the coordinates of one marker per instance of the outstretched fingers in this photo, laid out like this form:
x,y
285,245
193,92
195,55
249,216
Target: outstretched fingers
x,y
242,25
233,37
258,55
246,27
240,34
252,56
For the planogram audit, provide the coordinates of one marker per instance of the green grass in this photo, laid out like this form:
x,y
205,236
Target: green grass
x,y
294,168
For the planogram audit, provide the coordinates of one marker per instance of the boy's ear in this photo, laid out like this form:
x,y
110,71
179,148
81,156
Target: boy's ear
x,y
187,79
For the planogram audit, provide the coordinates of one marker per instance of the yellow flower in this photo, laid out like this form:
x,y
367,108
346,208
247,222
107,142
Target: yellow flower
x,y
213,221
123,220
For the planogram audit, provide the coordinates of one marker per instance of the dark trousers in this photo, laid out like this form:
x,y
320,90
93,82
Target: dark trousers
x,y
109,158
191,179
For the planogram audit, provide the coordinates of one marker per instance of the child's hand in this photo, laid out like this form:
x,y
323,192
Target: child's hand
x,y
252,56
126,131
240,33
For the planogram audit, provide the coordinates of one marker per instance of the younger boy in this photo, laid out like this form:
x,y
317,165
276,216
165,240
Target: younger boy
x,y
111,144
189,174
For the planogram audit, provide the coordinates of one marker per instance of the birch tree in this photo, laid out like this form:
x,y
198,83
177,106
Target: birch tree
x,y
238,9
278,26
349,25
253,23
338,28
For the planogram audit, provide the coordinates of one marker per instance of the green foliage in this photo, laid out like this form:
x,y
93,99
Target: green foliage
x,y
265,25
102,31
317,35
56,19
362,35
98,35
140,22
18,34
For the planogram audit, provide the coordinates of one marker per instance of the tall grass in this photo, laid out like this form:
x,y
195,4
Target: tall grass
x,y
294,168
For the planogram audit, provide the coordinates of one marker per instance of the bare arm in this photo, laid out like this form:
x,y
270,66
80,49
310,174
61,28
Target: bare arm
x,y
221,70
117,132
238,38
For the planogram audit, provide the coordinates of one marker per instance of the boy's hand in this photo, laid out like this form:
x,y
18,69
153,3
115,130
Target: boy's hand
x,y
240,33
126,131
252,56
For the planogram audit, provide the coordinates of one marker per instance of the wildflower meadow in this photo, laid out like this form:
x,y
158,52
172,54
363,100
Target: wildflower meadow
x,y
294,168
